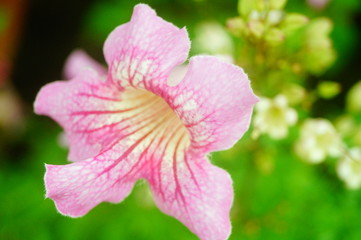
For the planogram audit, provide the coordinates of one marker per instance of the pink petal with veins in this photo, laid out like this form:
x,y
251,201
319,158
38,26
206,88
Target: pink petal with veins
x,y
86,108
215,102
142,53
135,125
195,192
78,187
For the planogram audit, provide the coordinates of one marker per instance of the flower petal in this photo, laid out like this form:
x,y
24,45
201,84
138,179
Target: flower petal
x,y
88,109
141,53
78,187
215,102
197,193
96,115
77,61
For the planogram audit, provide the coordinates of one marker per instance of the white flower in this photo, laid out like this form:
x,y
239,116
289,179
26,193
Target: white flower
x,y
273,116
349,168
318,140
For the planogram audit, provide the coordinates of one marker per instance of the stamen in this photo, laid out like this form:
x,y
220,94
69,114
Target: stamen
x,y
150,123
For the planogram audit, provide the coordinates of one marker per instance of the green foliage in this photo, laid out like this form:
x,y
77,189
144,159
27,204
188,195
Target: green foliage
x,y
287,43
283,52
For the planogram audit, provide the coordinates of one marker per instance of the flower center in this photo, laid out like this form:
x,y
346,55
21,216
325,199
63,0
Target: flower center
x,y
276,116
154,126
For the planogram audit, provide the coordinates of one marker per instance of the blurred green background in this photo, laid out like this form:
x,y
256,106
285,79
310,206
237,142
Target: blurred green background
x,y
276,195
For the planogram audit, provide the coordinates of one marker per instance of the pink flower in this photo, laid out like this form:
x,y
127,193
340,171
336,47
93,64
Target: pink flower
x,y
128,123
